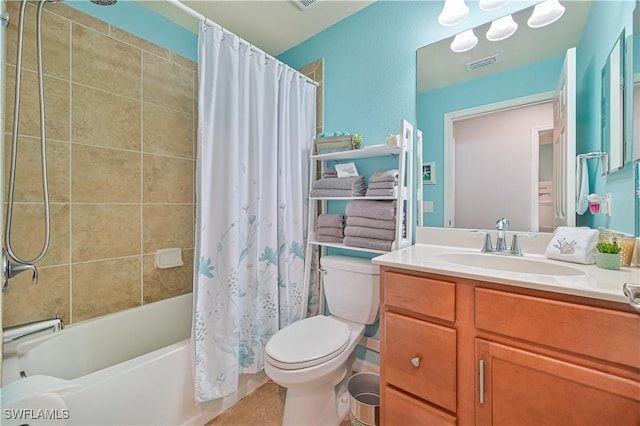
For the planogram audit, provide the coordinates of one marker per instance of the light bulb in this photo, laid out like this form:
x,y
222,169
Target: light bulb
x,y
453,12
489,5
545,13
502,28
464,41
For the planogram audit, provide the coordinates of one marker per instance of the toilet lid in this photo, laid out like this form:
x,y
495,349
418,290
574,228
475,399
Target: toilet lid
x,y
308,342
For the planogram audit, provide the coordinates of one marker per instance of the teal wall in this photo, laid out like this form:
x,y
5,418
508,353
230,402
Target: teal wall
x,y
604,25
432,105
143,23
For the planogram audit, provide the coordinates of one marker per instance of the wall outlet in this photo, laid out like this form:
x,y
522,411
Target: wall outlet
x,y
427,207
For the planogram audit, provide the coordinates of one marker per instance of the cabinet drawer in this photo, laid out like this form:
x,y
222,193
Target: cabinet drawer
x,y
595,332
401,409
434,379
425,296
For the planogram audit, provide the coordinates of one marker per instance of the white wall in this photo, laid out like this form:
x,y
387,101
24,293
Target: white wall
x,y
494,173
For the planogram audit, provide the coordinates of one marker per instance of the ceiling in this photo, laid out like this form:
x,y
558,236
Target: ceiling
x,y
271,25
438,66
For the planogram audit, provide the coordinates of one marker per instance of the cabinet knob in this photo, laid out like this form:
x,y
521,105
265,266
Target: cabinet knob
x,y
415,361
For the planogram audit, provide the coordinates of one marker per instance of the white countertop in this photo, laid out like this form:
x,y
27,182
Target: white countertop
x,y
595,282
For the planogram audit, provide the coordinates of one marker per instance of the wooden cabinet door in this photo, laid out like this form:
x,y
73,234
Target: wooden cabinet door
x,y
515,387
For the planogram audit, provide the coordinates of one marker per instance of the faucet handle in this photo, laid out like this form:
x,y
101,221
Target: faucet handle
x,y
502,224
515,242
488,245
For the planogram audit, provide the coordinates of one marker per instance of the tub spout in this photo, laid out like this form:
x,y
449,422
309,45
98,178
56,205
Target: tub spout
x,y
16,332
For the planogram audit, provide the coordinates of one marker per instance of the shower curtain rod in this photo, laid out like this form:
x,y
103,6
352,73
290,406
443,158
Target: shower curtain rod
x,y
207,21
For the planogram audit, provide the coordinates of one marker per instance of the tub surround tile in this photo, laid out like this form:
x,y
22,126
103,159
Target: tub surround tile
x,y
161,284
167,179
80,18
100,288
167,226
167,84
25,301
105,119
104,63
102,231
182,61
28,186
167,131
138,42
102,175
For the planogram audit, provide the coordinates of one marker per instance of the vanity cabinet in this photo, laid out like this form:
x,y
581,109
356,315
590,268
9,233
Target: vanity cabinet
x,y
460,351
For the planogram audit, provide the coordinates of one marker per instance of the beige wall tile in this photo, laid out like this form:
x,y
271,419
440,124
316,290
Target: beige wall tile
x,y
101,231
56,94
27,232
167,179
102,175
80,17
162,284
138,42
26,302
167,84
167,131
104,119
104,63
55,41
100,288
167,226
28,186
182,61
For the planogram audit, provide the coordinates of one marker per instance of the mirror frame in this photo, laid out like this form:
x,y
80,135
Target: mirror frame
x,y
613,105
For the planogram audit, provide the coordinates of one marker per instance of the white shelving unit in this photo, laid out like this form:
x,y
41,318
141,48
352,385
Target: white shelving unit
x,y
404,208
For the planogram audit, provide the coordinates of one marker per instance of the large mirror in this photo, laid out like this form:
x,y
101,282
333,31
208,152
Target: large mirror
x,y
488,124
613,99
633,44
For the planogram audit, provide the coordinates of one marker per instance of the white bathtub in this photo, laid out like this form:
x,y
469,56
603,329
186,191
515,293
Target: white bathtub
x,y
128,368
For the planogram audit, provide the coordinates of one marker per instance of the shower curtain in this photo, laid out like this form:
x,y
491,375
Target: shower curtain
x,y
256,122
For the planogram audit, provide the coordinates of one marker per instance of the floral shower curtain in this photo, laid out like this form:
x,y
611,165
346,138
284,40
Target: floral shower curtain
x,y
255,126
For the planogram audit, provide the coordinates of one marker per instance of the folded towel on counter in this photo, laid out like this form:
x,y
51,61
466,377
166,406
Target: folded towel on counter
x,y
330,232
335,193
393,192
377,233
390,175
371,223
354,183
382,185
329,239
370,243
372,209
331,220
329,172
576,245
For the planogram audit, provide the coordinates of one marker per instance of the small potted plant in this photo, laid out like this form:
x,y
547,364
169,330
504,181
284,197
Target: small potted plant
x,y
608,255
357,141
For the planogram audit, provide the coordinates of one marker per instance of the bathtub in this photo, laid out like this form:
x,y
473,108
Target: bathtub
x,y
128,368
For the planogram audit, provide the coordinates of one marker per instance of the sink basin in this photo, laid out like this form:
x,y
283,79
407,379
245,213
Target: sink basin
x,y
508,264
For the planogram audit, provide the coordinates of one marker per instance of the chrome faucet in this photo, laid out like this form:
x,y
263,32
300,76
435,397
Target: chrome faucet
x,y
16,332
502,225
10,270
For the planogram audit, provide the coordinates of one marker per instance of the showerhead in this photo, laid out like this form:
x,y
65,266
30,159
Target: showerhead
x,y
104,2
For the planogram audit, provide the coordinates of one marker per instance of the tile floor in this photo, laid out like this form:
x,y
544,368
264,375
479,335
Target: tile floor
x,y
263,407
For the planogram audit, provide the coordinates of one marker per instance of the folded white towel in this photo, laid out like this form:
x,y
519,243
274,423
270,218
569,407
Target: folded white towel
x,y
576,245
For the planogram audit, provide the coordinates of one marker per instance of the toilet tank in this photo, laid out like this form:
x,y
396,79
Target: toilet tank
x,y
352,288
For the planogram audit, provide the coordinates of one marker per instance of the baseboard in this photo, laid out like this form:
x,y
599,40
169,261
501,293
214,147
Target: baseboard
x,y
361,365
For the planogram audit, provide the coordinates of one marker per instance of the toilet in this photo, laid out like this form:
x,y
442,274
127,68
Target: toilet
x,y
313,357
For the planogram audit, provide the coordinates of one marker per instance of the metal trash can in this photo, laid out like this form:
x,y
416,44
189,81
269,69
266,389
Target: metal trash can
x,y
364,393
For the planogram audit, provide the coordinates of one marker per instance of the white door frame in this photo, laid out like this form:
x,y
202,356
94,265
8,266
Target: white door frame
x,y
535,172
450,118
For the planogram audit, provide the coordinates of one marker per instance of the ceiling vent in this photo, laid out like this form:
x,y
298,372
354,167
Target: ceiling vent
x,y
482,62
304,4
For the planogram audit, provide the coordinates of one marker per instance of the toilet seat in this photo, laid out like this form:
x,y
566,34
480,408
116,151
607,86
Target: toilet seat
x,y
308,342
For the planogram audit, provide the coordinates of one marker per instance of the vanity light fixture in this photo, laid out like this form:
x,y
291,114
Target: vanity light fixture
x,y
502,28
489,5
545,13
464,41
453,12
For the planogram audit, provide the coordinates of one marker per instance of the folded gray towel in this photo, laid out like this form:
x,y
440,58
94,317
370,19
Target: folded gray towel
x,y
390,175
382,185
329,172
329,239
382,192
331,220
370,243
330,232
372,209
362,231
371,223
353,183
336,193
